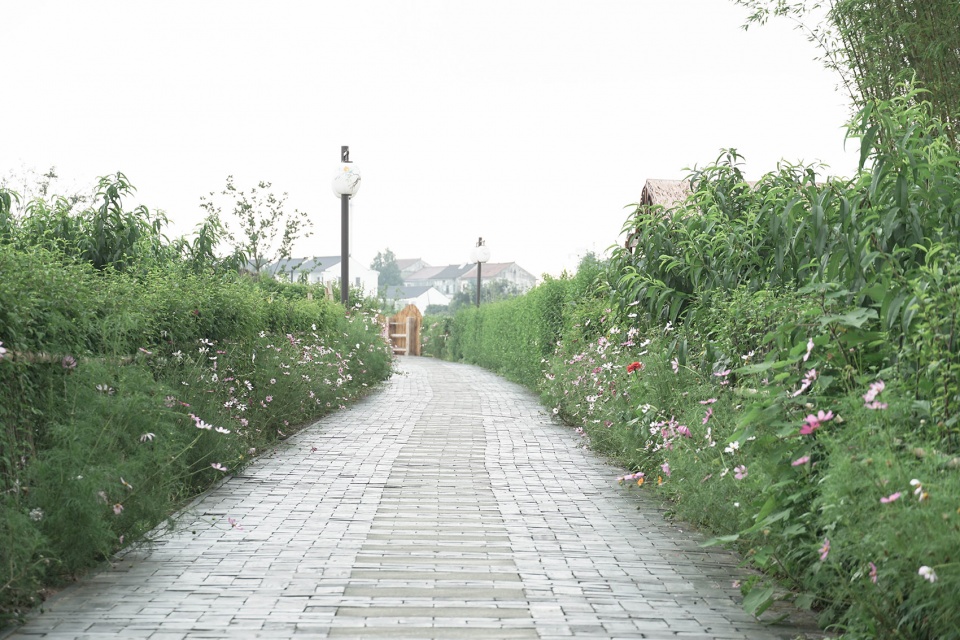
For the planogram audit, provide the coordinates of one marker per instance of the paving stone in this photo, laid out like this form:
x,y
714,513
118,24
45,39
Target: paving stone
x,y
446,505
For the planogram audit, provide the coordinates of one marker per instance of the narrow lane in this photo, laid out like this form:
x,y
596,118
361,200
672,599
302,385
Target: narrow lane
x,y
446,505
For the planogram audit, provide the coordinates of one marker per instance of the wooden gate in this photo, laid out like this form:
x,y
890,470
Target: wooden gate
x,y
403,330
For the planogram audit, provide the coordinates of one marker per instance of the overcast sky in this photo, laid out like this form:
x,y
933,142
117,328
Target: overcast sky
x,y
532,123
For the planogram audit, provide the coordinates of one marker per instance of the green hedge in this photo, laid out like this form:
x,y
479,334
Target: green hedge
x,y
123,395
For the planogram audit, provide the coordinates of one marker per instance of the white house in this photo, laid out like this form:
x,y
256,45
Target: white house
x,y
419,296
509,272
325,270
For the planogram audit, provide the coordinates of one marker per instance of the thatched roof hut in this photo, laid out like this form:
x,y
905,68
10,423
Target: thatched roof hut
x,y
667,193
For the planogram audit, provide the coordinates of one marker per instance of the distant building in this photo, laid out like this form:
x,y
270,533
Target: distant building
x,y
324,270
454,278
410,266
445,279
419,296
509,272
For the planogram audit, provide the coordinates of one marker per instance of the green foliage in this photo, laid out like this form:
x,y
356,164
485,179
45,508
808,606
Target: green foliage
x,y
120,391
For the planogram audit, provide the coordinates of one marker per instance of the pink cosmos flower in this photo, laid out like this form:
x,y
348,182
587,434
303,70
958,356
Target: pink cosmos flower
x,y
740,472
666,468
873,572
218,467
117,509
709,413
800,461
809,349
708,401
675,364
893,497
825,549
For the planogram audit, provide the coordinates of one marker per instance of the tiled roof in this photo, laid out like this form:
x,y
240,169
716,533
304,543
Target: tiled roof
x,y
403,292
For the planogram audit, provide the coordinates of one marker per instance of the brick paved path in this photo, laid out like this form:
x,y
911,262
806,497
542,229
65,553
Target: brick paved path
x,y
446,505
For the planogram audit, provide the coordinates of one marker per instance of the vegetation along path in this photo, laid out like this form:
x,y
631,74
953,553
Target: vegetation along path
x,y
447,505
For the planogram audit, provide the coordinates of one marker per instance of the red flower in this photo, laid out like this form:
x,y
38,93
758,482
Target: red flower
x,y
634,366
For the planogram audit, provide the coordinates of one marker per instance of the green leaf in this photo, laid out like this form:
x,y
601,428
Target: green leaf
x,y
805,601
854,318
720,540
758,600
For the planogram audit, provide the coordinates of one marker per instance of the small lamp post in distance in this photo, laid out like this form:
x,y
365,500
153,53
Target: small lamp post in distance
x,y
346,183
480,254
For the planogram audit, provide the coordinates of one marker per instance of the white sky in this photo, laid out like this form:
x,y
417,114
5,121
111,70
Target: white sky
x,y
532,123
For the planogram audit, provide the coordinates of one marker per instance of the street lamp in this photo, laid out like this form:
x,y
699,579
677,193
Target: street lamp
x,y
346,183
480,255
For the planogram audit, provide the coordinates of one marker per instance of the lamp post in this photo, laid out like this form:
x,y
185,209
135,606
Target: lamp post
x,y
346,183
480,255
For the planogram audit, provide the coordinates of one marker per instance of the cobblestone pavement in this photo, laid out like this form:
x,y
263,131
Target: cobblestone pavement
x,y
446,505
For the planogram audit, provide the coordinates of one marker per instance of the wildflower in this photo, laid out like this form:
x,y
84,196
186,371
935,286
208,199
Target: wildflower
x,y
117,509
709,413
873,572
251,451
147,436
666,468
740,472
218,467
170,402
800,461
808,379
919,492
36,514
928,573
142,350
222,430
893,497
814,422
659,480
103,496
747,356
675,364
875,389
708,401
273,381
809,349
2,351
269,398
684,431
69,362
126,484
732,447
234,524
635,366
722,374
102,388
825,549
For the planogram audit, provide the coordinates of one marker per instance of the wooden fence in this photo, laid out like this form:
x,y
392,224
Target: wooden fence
x,y
403,331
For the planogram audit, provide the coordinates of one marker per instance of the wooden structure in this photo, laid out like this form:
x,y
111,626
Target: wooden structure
x,y
403,330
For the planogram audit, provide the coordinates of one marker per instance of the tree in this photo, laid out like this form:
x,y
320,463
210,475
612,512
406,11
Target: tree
x,y
386,263
877,46
266,232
